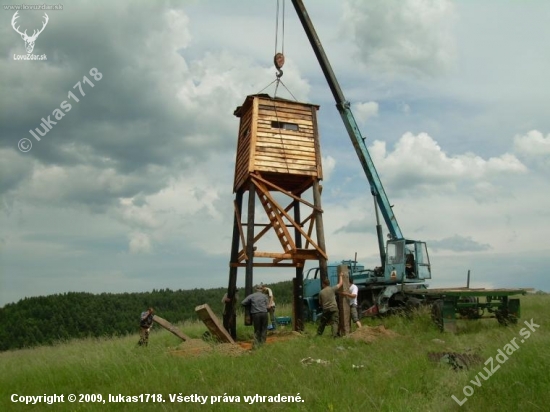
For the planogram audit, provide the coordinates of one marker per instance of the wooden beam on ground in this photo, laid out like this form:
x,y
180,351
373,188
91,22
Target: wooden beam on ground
x,y
168,326
213,324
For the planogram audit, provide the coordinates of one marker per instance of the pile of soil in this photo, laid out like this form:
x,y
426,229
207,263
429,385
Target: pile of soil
x,y
272,338
370,334
194,347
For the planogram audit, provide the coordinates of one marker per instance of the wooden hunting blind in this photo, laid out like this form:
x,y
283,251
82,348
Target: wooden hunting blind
x,y
278,157
279,139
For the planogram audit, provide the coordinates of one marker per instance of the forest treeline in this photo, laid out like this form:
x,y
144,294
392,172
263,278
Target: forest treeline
x,y
45,320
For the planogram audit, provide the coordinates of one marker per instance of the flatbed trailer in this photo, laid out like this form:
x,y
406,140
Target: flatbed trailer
x,y
470,303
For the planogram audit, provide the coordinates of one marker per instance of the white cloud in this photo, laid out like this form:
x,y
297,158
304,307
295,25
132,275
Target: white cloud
x,y
420,161
534,147
364,111
140,172
402,35
329,163
458,243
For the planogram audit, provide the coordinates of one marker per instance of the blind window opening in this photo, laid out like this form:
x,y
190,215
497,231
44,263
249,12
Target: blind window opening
x,y
285,126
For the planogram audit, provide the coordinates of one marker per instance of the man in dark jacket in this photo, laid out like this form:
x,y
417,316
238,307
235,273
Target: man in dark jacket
x,y
258,302
327,301
145,325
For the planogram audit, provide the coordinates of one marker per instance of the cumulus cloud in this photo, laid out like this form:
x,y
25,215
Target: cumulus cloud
x,y
458,243
420,161
534,147
357,226
329,163
364,111
402,35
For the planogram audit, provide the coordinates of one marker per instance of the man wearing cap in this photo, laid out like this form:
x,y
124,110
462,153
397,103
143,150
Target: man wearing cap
x,y
145,324
327,301
258,302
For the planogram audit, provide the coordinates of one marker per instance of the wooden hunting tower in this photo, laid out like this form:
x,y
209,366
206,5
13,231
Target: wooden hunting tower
x,y
278,158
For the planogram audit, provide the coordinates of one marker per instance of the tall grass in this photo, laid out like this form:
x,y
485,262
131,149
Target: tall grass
x,y
395,373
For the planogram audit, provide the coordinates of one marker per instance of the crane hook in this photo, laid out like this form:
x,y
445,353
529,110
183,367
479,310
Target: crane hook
x,y
279,61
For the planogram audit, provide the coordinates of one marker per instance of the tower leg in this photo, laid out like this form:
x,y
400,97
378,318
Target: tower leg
x,y
298,284
249,279
229,313
320,229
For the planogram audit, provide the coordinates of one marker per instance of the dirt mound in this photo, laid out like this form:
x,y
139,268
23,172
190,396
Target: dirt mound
x,y
272,338
370,334
194,347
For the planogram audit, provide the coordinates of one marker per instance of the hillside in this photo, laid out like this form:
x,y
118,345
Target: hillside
x,y
47,319
407,366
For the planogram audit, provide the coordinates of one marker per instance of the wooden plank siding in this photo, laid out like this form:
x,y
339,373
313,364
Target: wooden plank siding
x,y
243,150
266,146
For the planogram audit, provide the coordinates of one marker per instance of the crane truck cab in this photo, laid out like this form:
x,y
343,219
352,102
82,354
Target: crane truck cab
x,y
407,261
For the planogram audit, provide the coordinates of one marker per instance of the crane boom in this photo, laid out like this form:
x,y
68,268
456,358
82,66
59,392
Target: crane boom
x,y
344,109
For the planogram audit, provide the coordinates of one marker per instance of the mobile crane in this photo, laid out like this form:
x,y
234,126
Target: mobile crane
x,y
405,263
399,282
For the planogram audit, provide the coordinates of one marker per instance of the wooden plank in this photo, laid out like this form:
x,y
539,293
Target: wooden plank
x,y
171,328
295,254
242,157
265,119
286,147
302,134
303,129
213,324
283,151
287,144
303,125
301,160
272,153
317,144
288,105
303,138
253,131
284,116
288,108
300,110
304,170
290,164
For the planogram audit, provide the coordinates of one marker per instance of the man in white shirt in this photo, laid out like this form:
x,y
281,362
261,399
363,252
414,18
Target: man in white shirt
x,y
270,306
352,296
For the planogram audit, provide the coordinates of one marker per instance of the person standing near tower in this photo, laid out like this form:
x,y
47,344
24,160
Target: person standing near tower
x,y
270,307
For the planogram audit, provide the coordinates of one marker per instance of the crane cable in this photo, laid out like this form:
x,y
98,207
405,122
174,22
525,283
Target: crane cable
x,y
279,61
279,58
277,28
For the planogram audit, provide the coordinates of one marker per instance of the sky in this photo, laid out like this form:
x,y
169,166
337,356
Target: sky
x,y
131,187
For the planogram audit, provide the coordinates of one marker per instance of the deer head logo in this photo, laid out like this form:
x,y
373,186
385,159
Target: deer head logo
x,y
29,40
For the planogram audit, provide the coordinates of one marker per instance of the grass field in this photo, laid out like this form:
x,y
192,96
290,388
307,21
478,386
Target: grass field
x,y
390,373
